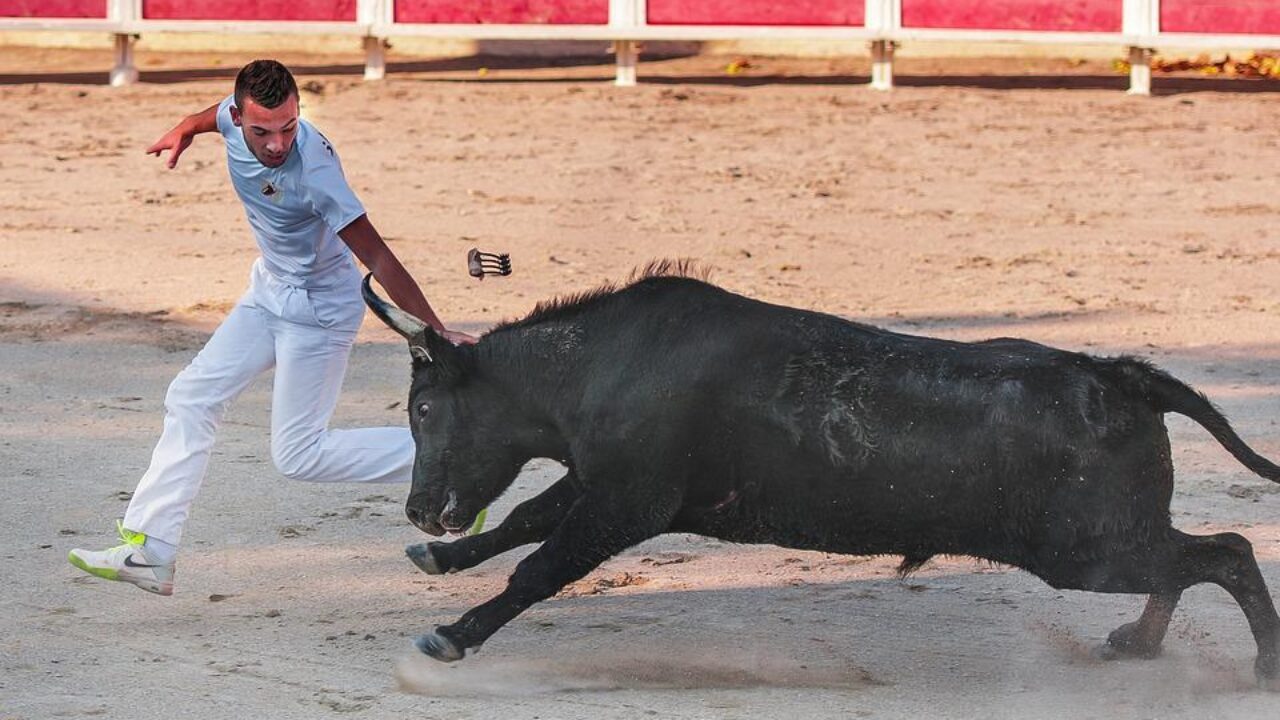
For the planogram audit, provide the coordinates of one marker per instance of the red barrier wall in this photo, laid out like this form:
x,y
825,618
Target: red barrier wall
x,y
548,12
1190,16
1044,15
1261,17
338,10
54,8
756,12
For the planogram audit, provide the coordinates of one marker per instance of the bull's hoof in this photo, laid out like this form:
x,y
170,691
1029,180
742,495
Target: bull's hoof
x,y
1267,670
1109,651
439,647
424,558
1128,641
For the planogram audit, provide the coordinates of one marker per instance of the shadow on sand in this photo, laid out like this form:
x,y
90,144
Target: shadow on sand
x,y
512,65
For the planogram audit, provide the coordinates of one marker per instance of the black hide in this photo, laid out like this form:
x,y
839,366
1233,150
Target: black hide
x,y
680,407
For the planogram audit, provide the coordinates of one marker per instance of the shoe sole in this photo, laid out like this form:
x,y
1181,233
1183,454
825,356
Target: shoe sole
x,y
151,586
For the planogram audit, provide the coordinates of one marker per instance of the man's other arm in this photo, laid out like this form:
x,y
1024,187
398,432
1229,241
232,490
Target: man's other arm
x,y
179,138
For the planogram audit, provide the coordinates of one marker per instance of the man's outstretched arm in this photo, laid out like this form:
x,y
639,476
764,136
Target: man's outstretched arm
x,y
179,138
367,244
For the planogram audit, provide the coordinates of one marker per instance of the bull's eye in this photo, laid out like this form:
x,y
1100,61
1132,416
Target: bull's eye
x,y
423,408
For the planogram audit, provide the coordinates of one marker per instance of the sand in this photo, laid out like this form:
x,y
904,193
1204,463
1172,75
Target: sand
x,y
1041,203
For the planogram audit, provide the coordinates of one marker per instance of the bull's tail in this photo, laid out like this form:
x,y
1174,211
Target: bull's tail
x,y
1166,393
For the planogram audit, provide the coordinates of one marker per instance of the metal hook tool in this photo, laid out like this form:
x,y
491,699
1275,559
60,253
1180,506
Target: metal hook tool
x,y
480,264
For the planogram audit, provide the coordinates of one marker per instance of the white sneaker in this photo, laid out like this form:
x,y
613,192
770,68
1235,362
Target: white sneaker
x,y
127,563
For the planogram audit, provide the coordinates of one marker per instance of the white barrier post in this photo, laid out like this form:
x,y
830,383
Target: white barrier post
x,y
882,64
1142,25
626,15
124,72
375,58
884,17
1140,70
626,53
368,13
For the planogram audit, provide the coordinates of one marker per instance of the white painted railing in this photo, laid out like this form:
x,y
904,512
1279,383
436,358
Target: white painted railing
x,y
883,30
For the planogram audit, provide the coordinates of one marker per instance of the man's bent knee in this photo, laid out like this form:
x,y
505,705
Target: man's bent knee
x,y
297,462
183,402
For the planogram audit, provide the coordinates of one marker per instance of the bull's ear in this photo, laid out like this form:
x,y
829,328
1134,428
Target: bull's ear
x,y
410,327
431,348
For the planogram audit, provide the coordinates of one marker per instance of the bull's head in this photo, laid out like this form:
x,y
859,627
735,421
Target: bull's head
x,y
467,444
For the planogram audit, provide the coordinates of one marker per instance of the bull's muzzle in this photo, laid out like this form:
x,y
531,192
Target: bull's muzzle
x,y
424,521
449,518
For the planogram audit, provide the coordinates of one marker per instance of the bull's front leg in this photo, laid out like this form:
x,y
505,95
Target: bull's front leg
x,y
529,522
600,525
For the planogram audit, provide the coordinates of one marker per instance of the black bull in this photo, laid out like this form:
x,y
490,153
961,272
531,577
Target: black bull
x,y
680,407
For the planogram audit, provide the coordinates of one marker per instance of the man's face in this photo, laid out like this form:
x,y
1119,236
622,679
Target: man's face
x,y
269,132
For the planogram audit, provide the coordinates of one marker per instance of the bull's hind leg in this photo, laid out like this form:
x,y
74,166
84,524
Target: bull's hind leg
x,y
1227,560
1166,569
1142,637
529,522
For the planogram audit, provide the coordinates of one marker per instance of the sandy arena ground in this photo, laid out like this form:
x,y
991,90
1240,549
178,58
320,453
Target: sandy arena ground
x,y
1044,203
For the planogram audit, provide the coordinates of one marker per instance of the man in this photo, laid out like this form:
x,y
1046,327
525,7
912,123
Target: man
x,y
300,314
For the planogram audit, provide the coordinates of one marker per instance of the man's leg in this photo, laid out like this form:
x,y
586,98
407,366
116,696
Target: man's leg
x,y
241,349
310,365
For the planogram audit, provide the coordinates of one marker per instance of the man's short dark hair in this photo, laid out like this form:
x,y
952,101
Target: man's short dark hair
x,y
266,81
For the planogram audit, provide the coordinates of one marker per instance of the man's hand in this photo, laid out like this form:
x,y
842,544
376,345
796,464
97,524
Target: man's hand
x,y
179,138
175,141
457,337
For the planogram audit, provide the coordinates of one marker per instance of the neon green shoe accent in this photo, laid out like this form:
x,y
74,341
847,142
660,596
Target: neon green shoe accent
x,y
117,563
478,525
106,573
128,536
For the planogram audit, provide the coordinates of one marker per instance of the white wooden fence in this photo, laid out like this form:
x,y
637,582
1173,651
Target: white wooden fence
x,y
628,26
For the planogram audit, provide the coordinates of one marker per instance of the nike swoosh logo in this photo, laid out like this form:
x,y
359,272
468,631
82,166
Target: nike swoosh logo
x,y
130,563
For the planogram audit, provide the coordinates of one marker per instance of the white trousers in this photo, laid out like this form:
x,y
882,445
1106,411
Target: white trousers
x,y
307,335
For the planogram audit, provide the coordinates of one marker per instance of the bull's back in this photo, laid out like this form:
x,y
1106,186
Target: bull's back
x,y
807,430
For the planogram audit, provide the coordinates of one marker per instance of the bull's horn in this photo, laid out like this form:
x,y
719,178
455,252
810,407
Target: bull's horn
x,y
395,318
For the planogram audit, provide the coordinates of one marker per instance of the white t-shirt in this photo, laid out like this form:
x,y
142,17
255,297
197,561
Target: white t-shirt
x,y
297,209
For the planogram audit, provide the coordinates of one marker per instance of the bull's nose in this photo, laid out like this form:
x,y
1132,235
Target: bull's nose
x,y
422,522
449,519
